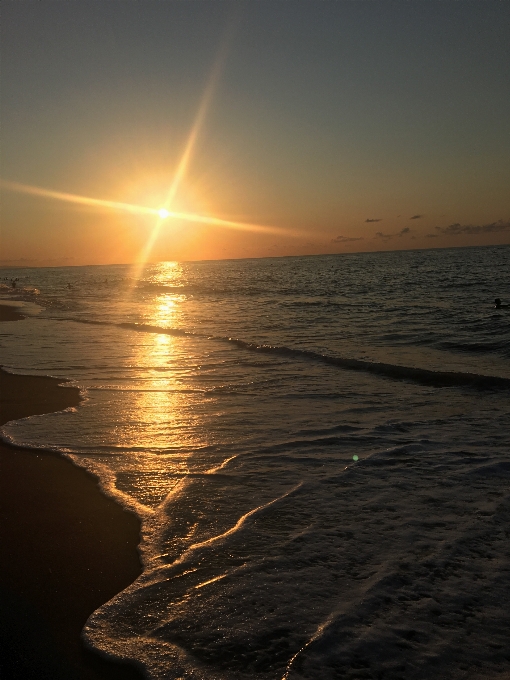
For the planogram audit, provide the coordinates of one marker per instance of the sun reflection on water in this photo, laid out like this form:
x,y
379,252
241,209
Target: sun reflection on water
x,y
166,419
165,405
166,272
166,312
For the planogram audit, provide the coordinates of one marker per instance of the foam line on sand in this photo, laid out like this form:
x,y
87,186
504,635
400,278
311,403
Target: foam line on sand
x,y
66,548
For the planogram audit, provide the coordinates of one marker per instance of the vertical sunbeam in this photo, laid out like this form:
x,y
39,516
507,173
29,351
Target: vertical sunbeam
x,y
196,128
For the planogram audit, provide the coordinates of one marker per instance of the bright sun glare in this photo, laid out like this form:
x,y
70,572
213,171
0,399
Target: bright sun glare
x,y
162,213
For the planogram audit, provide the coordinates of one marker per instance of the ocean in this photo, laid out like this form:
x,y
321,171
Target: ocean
x,y
318,449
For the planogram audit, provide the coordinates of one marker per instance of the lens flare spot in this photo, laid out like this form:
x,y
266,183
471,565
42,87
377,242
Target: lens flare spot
x,y
163,213
355,457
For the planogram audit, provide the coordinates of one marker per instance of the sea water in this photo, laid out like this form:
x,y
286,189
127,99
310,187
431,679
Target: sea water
x,y
317,448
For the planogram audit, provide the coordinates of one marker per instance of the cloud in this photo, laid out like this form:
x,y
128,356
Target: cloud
x,y
387,237
456,229
416,217
431,235
345,239
374,220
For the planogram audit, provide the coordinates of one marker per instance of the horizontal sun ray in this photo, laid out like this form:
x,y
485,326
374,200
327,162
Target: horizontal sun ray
x,y
143,210
74,198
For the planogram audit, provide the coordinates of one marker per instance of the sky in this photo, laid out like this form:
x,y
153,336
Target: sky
x,y
264,128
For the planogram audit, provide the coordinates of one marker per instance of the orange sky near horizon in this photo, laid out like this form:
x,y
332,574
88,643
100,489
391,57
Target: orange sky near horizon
x,y
341,127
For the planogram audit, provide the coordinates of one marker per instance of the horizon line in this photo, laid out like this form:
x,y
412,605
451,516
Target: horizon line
x,y
261,257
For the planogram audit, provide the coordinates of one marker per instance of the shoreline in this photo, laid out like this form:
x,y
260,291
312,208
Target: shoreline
x,y
67,549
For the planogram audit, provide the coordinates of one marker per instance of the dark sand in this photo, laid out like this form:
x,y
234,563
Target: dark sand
x,y
8,313
66,548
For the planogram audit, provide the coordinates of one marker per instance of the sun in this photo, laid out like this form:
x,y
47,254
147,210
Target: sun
x,y
163,213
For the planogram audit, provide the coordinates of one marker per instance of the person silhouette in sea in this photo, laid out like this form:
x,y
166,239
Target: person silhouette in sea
x,y
13,283
498,305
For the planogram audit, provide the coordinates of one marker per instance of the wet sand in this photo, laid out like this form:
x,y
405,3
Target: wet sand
x,y
8,313
66,548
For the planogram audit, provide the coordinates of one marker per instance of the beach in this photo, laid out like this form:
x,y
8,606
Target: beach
x,y
255,340
302,463
66,548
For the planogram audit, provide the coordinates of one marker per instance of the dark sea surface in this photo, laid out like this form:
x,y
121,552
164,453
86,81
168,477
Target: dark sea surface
x,y
318,449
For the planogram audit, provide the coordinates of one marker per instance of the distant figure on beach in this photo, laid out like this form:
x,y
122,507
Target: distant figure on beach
x,y
498,305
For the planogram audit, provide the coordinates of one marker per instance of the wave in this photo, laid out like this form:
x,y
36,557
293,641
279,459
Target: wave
x,y
145,328
422,376
19,292
203,289
485,347
131,326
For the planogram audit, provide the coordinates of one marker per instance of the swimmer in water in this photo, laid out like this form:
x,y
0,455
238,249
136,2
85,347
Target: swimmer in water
x,y
498,305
